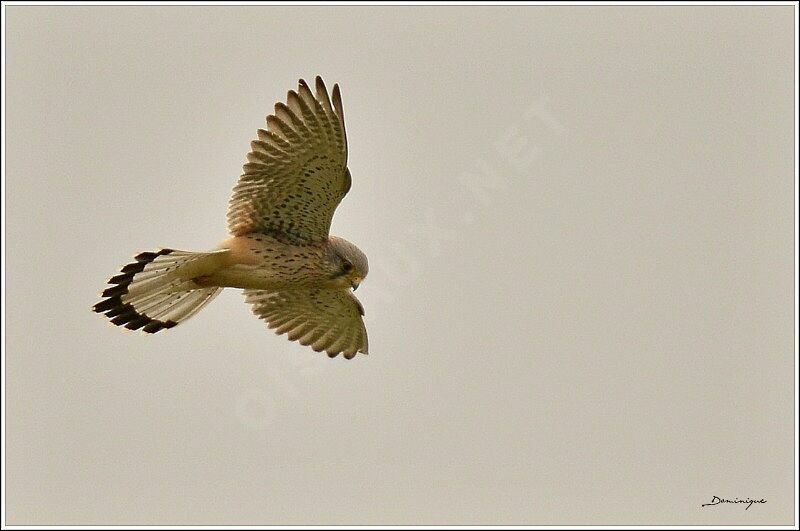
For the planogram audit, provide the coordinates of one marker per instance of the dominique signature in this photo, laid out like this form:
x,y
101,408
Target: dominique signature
x,y
716,500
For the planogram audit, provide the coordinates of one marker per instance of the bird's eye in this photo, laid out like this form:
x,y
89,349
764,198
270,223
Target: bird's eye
x,y
347,267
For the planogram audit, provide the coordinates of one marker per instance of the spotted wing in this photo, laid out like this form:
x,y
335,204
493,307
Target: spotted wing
x,y
329,320
296,172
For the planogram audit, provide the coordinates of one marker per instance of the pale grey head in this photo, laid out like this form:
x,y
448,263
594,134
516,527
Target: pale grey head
x,y
355,266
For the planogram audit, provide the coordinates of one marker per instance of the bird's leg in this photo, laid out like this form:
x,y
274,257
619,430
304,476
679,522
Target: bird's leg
x,y
203,281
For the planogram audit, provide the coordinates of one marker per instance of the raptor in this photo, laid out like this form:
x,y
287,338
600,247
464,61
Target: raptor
x,y
297,277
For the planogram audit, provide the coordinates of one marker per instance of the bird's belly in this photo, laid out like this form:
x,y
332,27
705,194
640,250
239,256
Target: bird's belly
x,y
262,262
241,276
255,277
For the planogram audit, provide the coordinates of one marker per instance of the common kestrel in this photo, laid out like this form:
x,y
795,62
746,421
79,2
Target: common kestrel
x,y
297,277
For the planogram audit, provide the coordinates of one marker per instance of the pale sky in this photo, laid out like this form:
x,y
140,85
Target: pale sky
x,y
579,222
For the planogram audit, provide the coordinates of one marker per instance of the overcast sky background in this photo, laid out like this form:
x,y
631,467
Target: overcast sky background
x,y
579,222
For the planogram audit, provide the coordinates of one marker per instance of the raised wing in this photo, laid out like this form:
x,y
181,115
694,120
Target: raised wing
x,y
296,172
324,319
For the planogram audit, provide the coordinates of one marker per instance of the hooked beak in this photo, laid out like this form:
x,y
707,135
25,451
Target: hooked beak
x,y
355,285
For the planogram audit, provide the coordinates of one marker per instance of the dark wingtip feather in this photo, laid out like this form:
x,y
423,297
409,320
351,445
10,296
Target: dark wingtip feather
x,y
336,97
153,327
122,278
138,323
107,304
128,315
113,312
146,256
115,291
134,267
322,90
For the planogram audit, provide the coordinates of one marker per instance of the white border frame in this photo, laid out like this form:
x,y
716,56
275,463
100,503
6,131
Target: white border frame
x,y
384,3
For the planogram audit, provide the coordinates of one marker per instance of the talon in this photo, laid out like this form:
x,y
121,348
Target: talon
x,y
203,282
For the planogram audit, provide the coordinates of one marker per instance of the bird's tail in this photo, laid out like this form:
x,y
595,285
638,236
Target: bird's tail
x,y
157,291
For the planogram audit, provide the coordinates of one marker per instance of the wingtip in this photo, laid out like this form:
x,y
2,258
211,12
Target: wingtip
x,y
336,96
322,90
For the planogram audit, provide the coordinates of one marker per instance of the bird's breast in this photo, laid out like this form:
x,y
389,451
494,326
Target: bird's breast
x,y
259,261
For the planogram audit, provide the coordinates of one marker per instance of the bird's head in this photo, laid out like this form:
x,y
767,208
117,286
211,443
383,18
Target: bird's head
x,y
352,265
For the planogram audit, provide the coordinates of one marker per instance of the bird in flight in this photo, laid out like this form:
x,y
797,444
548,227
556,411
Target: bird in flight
x,y
296,276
